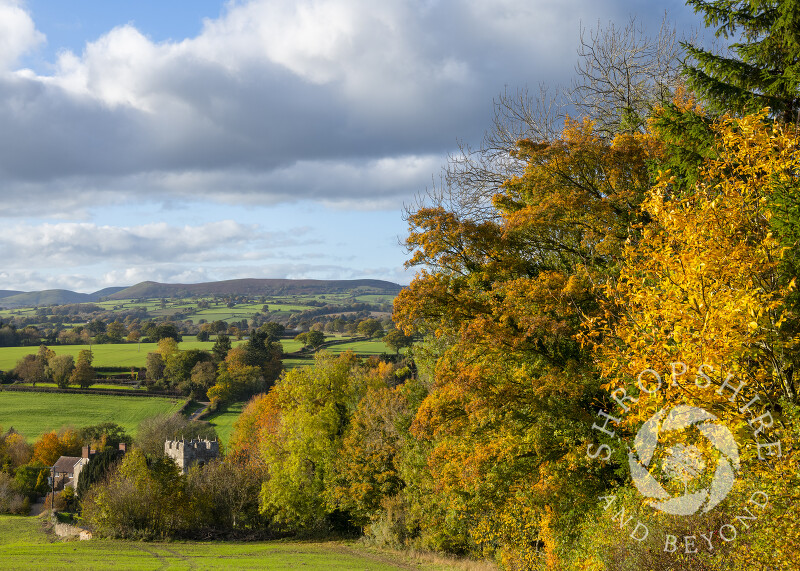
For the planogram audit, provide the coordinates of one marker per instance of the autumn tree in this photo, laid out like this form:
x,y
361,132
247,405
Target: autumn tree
x,y
30,369
60,368
155,367
83,374
52,445
143,499
315,406
238,378
367,469
509,295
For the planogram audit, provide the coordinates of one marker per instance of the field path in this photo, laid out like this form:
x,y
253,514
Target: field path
x,y
196,414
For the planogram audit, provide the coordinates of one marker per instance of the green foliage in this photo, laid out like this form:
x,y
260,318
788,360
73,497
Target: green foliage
x,y
31,481
154,431
104,434
765,68
316,404
96,470
221,347
144,499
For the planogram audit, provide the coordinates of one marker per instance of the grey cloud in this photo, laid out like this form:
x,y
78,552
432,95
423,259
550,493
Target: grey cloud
x,y
82,244
279,101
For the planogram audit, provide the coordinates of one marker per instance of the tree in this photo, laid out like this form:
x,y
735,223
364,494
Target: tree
x,y
204,376
622,74
60,368
236,379
502,299
316,404
367,469
115,331
30,369
705,285
98,468
103,435
167,330
155,367
370,328
52,445
226,493
764,67
221,347
84,374
96,327
314,339
273,330
396,339
154,431
144,498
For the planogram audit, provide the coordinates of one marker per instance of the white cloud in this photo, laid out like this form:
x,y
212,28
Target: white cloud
x,y
269,89
18,34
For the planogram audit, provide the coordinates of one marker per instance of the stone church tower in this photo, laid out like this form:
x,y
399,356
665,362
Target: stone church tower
x,y
187,453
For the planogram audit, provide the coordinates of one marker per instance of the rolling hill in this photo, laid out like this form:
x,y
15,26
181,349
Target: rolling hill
x,y
53,297
224,288
256,287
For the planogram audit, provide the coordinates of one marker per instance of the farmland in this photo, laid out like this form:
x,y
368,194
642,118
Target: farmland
x,y
210,314
135,354
111,355
33,414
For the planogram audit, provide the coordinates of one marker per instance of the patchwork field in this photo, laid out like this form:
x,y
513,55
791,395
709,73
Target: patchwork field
x,y
35,413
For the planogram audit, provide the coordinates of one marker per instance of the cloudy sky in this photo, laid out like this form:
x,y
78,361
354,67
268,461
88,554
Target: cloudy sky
x,y
196,140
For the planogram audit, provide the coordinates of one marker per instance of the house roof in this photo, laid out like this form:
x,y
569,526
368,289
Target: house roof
x,y
66,464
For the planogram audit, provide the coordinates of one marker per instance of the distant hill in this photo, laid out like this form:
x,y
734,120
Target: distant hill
x,y
9,292
257,287
54,297
270,287
105,293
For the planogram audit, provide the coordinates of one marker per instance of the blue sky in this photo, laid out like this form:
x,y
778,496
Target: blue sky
x,y
196,140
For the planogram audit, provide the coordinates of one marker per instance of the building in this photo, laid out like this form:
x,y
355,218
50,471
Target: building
x,y
187,453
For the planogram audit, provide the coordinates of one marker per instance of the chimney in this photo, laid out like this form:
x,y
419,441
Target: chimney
x,y
123,447
85,452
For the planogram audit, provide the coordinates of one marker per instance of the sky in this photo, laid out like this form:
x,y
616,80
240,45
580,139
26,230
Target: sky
x,y
199,140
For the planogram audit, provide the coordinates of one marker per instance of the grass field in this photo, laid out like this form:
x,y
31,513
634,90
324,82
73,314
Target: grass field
x,y
361,347
35,413
112,355
24,545
223,420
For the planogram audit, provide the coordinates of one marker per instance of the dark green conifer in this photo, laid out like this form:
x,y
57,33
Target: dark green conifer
x,y
763,66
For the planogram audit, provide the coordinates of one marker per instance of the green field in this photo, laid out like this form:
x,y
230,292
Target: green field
x,y
24,545
135,354
223,420
361,348
35,413
112,355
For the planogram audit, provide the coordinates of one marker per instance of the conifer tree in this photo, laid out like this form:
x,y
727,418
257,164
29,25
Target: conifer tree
x,y
763,66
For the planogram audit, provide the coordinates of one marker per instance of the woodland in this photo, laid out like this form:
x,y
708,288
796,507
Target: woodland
x,y
625,248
